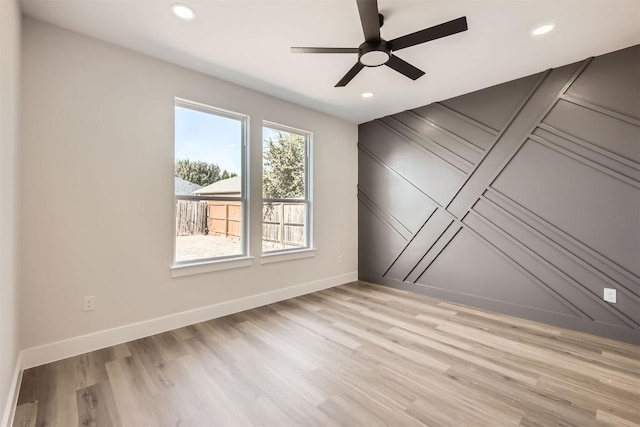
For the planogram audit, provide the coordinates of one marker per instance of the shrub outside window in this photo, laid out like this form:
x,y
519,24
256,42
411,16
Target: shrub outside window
x,y
286,189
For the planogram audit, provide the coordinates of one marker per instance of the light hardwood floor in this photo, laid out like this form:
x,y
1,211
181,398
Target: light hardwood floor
x,y
355,355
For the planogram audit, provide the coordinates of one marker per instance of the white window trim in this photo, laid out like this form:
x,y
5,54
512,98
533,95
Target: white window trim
x,y
287,255
198,266
278,255
182,270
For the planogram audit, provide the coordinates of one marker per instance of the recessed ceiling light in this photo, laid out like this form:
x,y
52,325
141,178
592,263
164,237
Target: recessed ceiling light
x,y
183,11
367,94
543,29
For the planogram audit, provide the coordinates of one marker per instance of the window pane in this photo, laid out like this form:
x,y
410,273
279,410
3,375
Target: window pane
x,y
284,176
283,168
283,225
207,229
208,162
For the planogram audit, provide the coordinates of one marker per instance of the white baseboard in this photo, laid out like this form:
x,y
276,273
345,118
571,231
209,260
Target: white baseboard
x,y
58,350
12,398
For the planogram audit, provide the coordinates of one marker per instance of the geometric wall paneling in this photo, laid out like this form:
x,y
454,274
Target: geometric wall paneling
x,y
436,249
607,272
562,191
383,215
382,239
401,200
545,93
428,235
591,126
459,152
609,80
595,156
467,266
534,254
425,170
464,127
522,198
494,106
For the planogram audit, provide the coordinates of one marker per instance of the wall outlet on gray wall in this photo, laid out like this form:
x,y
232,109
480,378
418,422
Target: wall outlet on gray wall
x,y
610,295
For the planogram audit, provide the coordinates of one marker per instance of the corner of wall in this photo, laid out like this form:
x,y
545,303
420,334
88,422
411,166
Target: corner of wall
x,y
12,397
10,364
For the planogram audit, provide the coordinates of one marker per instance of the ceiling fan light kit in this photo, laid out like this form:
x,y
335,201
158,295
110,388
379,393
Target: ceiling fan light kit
x,y
374,54
375,51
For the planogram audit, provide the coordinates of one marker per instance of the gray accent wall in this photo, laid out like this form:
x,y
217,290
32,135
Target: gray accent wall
x,y
523,198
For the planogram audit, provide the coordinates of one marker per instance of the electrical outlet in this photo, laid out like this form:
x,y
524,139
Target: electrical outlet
x,y
610,295
340,259
89,303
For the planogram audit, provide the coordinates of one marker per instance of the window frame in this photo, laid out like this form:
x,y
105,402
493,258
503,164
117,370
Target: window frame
x,y
244,199
308,191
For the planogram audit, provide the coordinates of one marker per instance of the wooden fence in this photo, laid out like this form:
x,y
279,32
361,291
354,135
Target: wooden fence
x,y
191,217
225,218
282,225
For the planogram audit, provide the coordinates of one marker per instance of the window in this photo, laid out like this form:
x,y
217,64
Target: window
x,y
210,184
286,206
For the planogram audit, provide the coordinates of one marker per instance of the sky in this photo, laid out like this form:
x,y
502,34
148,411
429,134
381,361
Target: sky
x,y
207,137
210,138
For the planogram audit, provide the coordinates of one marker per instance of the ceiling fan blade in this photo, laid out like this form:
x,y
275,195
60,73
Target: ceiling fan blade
x,y
404,67
324,50
443,30
350,75
368,10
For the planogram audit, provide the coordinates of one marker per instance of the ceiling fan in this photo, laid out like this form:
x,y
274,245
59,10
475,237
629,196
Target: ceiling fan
x,y
375,51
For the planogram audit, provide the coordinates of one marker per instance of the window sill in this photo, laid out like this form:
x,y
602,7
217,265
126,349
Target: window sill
x,y
181,270
287,255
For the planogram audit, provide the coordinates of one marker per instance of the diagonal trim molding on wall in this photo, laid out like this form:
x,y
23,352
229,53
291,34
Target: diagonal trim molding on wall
x,y
534,191
549,264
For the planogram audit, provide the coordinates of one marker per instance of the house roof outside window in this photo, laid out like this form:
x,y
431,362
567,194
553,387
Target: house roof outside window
x,y
230,187
184,187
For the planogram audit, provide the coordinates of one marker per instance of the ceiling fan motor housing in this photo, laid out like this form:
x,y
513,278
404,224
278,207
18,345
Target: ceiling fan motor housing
x,y
374,54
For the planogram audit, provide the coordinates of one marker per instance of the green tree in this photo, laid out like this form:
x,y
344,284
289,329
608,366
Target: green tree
x,y
283,166
199,172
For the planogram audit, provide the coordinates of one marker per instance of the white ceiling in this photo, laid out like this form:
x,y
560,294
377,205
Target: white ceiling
x,y
247,42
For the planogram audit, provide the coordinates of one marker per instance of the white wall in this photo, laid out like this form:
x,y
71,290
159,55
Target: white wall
x,y
9,88
97,183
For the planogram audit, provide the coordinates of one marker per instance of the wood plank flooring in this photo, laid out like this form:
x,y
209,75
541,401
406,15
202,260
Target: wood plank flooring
x,y
355,355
